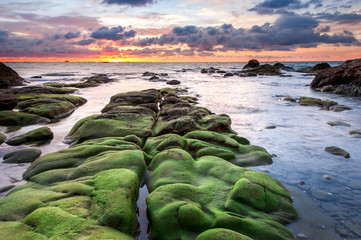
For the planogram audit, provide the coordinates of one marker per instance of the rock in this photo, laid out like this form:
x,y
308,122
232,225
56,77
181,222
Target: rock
x,y
37,135
327,88
11,118
339,108
41,90
289,99
302,236
173,82
22,156
36,77
348,73
8,101
315,69
221,233
228,75
8,77
281,66
322,195
251,64
52,106
327,177
262,70
337,151
269,127
210,70
6,188
355,133
310,101
2,138
221,71
338,123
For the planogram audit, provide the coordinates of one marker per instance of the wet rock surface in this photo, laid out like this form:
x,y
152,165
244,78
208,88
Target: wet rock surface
x,y
8,77
22,156
197,191
337,151
8,101
37,136
345,78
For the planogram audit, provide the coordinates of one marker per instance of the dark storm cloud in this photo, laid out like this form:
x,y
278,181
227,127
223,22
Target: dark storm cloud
x,y
134,3
325,29
114,33
287,33
283,6
3,35
84,42
348,18
69,35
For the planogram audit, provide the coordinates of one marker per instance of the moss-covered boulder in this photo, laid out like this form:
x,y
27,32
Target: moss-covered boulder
x,y
310,101
337,151
52,106
188,197
12,118
2,138
39,135
22,156
221,233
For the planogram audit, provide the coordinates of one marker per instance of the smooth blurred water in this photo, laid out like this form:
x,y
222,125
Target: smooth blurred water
x,y
328,209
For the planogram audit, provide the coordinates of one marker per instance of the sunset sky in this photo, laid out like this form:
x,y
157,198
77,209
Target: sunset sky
x,y
179,30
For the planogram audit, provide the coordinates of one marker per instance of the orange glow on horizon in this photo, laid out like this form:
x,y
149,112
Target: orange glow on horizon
x,y
321,53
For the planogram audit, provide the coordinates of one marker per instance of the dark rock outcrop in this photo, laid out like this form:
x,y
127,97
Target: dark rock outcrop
x,y
173,82
8,101
315,69
22,156
251,64
345,78
8,77
38,135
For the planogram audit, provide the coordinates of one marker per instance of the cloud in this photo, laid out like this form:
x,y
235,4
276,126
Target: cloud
x,y
133,3
3,35
114,33
283,6
288,32
325,29
69,35
347,18
84,42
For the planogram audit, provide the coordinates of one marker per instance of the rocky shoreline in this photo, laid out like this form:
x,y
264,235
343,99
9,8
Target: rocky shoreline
x,y
188,158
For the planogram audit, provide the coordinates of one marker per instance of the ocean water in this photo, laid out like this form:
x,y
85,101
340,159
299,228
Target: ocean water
x,y
328,208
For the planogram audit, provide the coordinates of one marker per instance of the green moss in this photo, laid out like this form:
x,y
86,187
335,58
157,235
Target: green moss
x,y
75,100
310,101
11,118
18,231
221,233
129,159
20,203
37,135
77,205
114,199
2,138
154,145
171,166
67,158
98,126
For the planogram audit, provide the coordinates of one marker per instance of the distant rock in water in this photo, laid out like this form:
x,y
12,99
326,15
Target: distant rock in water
x,y
337,151
315,69
345,78
8,77
251,64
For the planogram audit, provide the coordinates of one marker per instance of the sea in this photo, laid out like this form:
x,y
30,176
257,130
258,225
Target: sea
x,y
326,189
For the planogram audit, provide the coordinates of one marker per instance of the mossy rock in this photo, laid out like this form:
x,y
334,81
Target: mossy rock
x,y
41,90
24,99
221,233
337,151
47,107
155,145
188,197
22,156
11,118
110,125
38,135
136,97
2,138
87,159
114,199
310,101
18,231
